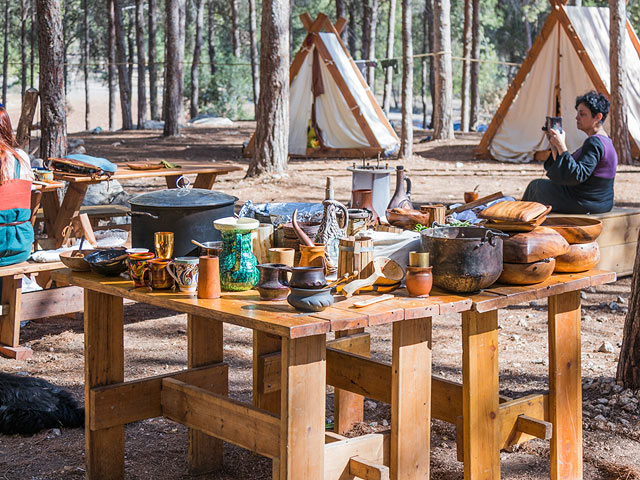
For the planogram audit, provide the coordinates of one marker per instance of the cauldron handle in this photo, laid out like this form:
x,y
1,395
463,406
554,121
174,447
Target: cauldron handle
x,y
143,214
490,236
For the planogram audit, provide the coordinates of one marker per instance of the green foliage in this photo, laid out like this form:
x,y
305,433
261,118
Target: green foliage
x,y
226,93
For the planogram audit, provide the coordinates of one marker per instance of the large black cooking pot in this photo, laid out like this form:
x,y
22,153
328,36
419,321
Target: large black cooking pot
x,y
464,259
189,213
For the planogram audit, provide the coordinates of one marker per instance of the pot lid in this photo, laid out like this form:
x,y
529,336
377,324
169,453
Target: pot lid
x,y
180,197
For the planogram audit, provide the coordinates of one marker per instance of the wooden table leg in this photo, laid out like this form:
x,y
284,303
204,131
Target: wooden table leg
x,y
411,399
480,400
50,208
205,180
104,365
348,408
11,302
264,343
565,387
69,209
204,345
302,414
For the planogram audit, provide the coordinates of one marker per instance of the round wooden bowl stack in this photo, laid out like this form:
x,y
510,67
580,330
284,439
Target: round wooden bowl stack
x,y
581,233
530,257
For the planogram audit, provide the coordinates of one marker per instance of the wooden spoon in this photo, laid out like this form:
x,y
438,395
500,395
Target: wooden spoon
x,y
383,267
195,242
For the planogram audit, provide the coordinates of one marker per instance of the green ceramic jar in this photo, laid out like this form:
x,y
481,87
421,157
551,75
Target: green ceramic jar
x,y
238,264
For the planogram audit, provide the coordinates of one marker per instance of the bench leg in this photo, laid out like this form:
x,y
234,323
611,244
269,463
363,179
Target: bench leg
x,y
204,346
565,387
10,319
264,343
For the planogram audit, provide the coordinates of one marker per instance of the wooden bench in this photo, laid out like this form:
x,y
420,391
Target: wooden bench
x,y
96,212
619,238
16,307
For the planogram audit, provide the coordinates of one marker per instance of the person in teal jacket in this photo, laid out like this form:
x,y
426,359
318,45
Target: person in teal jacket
x,y
16,231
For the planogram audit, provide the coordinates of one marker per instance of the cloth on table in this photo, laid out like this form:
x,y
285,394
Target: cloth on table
x,y
396,246
471,215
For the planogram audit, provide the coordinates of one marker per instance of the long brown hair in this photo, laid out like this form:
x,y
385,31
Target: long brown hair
x,y
7,146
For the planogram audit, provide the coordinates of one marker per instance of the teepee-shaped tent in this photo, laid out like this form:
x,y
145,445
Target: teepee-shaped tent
x,y
329,95
569,58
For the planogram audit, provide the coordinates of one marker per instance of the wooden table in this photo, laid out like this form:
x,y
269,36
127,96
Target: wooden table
x,y
295,371
59,216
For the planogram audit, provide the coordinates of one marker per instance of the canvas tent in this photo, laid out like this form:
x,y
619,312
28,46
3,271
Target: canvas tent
x,y
328,92
569,58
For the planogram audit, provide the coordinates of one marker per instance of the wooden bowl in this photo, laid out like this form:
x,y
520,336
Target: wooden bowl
x,y
76,262
575,229
527,273
580,258
407,218
533,246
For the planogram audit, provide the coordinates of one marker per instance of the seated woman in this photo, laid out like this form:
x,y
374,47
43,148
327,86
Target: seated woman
x,y
581,182
16,232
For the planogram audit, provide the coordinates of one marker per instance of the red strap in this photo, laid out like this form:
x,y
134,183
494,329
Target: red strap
x,y
15,194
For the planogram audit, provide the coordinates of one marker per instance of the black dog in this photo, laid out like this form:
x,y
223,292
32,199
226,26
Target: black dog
x,y
28,405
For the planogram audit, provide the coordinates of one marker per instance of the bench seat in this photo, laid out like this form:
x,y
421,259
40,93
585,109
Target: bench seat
x,y
96,212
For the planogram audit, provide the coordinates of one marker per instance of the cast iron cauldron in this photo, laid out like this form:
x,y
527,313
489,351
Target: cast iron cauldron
x,y
464,259
189,213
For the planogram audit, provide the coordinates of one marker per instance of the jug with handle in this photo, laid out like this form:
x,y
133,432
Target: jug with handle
x,y
238,264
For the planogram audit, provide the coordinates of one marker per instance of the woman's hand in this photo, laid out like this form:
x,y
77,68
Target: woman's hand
x,y
557,140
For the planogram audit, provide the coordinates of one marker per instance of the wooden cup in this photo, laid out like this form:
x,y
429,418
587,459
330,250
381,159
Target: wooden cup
x,y
286,256
261,241
209,277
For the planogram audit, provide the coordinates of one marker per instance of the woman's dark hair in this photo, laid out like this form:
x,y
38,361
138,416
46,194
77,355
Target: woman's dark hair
x,y
595,102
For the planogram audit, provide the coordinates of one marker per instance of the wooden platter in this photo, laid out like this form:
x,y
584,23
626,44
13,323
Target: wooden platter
x,y
507,226
533,246
527,273
579,258
576,229
515,211
145,166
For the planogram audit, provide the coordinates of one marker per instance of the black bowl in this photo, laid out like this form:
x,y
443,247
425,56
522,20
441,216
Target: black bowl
x,y
109,263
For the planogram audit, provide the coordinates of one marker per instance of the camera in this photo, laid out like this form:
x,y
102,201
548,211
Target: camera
x,y
553,122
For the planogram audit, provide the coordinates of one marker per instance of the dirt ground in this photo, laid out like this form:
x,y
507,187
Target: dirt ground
x,y
155,339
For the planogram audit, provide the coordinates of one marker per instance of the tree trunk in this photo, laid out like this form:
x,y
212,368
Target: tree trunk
x,y
121,63
255,74
527,33
235,30
111,69
426,31
211,38
367,14
153,71
5,52
32,52
341,11
371,53
142,84
629,365
53,118
24,15
130,52
432,61
85,57
195,64
66,43
618,114
466,66
388,74
475,66
406,132
353,43
271,140
173,69
443,113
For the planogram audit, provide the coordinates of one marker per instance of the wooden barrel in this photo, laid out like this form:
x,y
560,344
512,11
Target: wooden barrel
x,y
436,213
355,254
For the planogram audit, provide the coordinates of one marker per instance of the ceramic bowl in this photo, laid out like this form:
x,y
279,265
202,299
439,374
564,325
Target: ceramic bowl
x,y
74,259
109,263
307,277
310,299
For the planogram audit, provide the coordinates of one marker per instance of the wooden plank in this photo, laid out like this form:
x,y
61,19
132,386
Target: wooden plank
x,y
267,361
367,470
348,407
11,301
330,437
52,302
205,347
125,173
225,418
205,180
23,132
480,404
618,258
534,427
303,408
482,150
373,447
534,406
619,229
69,208
340,24
410,399
565,386
51,207
476,203
358,374
97,211
104,365
26,268
136,400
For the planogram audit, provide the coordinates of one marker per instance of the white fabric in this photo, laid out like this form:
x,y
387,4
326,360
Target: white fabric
x,y
519,135
300,98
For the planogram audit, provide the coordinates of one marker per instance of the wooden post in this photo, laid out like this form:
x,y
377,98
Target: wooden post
x,y
410,399
565,387
10,319
104,365
303,408
264,343
23,133
480,401
204,346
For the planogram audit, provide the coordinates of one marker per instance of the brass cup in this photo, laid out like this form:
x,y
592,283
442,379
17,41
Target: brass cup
x,y
163,242
418,259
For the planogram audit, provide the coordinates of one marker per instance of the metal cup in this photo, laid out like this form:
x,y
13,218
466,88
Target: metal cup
x,y
163,243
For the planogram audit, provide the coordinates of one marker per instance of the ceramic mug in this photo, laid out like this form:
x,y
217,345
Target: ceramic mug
x,y
160,278
138,264
184,271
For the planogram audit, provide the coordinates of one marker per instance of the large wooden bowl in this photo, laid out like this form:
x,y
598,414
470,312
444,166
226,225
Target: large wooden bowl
x,y
580,258
74,259
533,246
527,273
407,218
575,229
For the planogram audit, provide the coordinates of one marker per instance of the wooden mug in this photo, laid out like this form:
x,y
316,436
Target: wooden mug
x,y
209,277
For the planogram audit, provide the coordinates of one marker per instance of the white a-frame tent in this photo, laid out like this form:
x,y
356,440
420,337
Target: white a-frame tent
x,y
569,58
328,93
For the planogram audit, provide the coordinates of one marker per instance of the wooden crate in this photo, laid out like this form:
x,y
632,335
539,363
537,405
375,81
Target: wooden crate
x,y
619,238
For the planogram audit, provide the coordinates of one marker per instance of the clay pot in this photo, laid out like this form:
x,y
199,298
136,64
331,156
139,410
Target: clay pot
x,y
209,277
312,256
419,281
364,199
307,277
470,196
273,281
310,299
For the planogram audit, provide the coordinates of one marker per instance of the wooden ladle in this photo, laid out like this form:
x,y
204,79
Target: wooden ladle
x,y
383,267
